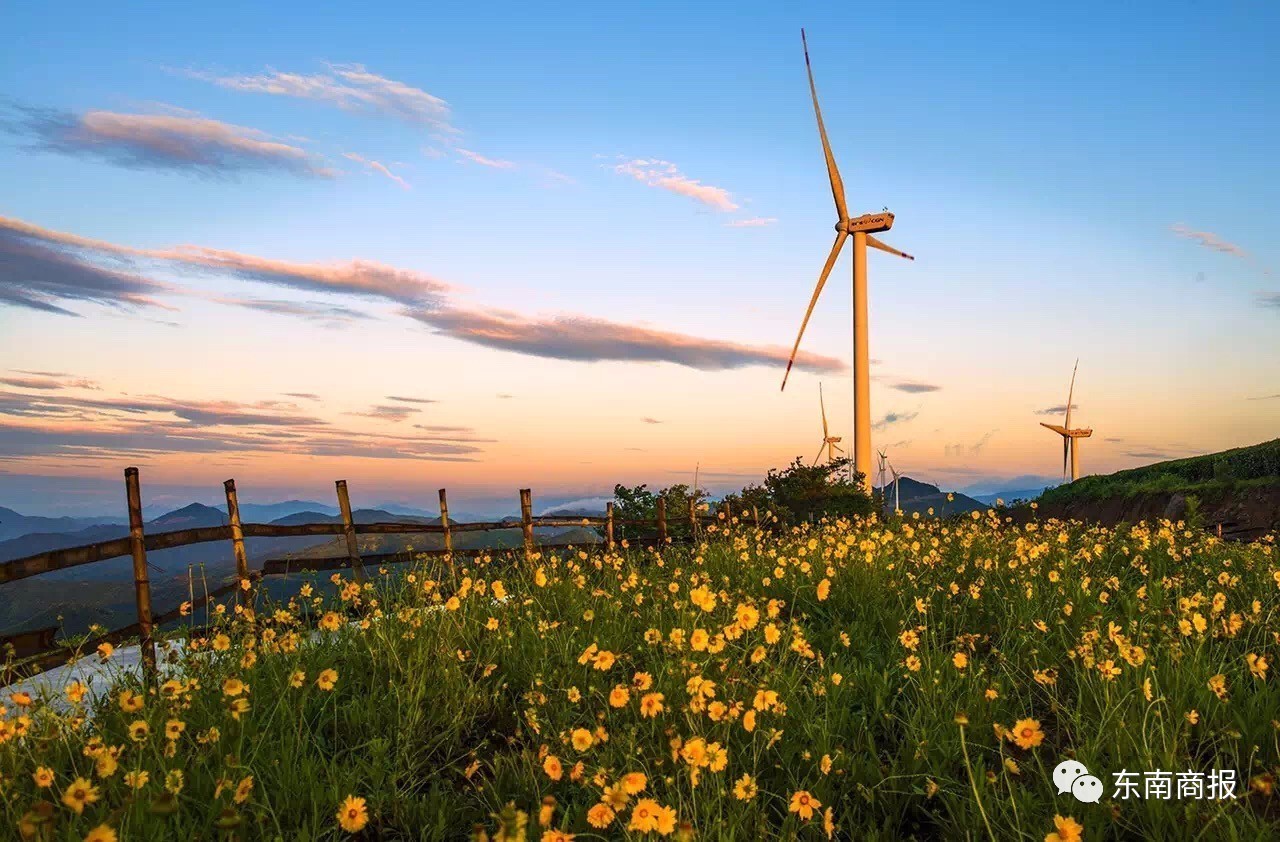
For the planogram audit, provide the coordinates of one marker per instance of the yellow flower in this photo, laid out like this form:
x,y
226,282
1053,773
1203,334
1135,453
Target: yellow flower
x,y
634,783
234,687
327,679
238,708
619,696
76,692
803,804
600,816
297,678
824,589
130,702
1067,829
553,767
1218,684
353,815
547,813
101,833
243,789
221,643
138,730
744,789
960,659
21,699
331,621
106,764
175,780
909,639
644,815
105,651
1192,716
79,793
43,776
1026,733
913,663
1257,665
173,728
556,836
582,739
136,779
651,704
1108,669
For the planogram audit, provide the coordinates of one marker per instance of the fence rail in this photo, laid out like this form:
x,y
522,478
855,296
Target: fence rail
x,y
37,652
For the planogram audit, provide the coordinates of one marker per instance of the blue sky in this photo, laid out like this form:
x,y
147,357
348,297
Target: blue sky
x,y
1093,182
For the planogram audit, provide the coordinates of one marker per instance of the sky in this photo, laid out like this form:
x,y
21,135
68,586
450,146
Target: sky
x,y
567,247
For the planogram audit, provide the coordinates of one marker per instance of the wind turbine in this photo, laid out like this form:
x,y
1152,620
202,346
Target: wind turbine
x,y
1069,435
830,442
861,229
884,490
897,507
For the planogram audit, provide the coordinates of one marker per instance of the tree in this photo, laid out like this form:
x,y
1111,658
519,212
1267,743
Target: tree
x,y
803,492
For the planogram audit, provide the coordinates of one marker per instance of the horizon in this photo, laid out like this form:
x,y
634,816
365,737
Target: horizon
x,y
455,256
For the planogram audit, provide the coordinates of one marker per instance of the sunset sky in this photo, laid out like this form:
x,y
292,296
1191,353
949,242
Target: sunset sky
x,y
492,247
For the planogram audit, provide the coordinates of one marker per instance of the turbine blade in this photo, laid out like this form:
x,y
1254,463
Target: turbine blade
x,y
822,281
837,185
823,404
819,456
1071,392
877,244
1066,443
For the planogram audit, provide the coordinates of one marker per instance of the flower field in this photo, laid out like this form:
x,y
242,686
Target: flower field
x,y
868,680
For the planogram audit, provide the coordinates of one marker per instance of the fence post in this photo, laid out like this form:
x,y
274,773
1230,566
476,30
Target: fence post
x,y
141,582
349,530
693,517
237,540
444,521
526,520
662,520
1219,529
608,525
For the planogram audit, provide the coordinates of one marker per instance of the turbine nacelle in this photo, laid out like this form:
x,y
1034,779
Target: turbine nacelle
x,y
868,223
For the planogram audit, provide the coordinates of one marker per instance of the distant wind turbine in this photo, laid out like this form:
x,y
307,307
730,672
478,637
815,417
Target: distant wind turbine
x,y
897,507
1069,435
830,442
861,228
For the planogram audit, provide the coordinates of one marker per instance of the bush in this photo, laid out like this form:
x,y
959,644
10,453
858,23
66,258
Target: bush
x,y
804,493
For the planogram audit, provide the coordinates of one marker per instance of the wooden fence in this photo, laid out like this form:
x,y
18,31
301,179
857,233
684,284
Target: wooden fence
x,y
36,651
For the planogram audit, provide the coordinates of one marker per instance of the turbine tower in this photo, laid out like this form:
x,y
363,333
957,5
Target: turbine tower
x,y
1069,435
829,441
861,228
897,506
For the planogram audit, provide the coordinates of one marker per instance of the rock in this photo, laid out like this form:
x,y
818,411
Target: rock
x,y
1176,508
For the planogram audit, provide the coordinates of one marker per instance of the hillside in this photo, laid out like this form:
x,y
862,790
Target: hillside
x,y
1238,487
915,496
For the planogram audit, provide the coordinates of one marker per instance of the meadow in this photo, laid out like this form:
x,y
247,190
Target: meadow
x,y
860,679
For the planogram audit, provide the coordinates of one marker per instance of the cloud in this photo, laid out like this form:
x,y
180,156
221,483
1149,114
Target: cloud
x,y
892,418
387,412
307,310
914,387
588,339
47,381
37,276
1060,409
1259,398
207,413
1150,454
753,222
504,396
974,449
172,142
310,396
1270,299
1113,439
667,176
44,266
1208,240
377,167
410,400
350,87
649,420
476,158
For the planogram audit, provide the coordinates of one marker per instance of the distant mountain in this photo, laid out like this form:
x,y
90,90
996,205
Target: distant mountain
x,y
14,525
271,512
402,509
916,496
1010,495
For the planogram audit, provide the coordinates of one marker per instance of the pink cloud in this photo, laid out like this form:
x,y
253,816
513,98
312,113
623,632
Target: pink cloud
x,y
667,176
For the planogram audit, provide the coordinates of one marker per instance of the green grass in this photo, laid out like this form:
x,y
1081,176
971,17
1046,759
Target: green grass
x,y
443,713
1209,476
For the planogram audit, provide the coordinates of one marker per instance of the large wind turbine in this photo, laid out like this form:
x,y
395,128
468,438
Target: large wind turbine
x,y
861,228
1069,435
830,442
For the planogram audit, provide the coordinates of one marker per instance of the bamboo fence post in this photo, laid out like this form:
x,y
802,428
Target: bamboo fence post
x,y
526,520
141,581
237,541
608,525
349,529
444,522
662,520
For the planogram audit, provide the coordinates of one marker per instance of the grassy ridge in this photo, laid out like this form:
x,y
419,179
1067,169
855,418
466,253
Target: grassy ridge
x,y
1213,474
856,680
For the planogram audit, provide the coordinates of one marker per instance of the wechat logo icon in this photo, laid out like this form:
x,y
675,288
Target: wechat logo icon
x,y
1072,776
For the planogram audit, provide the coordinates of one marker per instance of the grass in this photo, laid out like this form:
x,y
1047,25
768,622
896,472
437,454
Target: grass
x,y
1210,476
862,681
